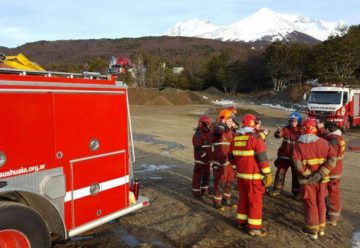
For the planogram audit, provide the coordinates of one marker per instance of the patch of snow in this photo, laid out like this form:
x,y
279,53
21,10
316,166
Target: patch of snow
x,y
223,102
277,106
263,23
153,167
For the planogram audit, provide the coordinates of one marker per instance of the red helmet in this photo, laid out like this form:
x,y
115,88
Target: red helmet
x,y
249,120
225,114
204,122
309,126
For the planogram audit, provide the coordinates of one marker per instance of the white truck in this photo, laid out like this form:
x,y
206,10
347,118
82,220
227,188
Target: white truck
x,y
336,102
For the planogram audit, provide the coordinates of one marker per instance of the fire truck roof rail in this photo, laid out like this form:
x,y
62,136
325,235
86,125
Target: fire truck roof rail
x,y
85,74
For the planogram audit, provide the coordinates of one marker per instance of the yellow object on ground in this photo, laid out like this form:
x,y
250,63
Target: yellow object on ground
x,y
21,62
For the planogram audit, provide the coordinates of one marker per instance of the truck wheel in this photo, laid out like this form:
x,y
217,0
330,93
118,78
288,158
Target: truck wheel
x,y
22,227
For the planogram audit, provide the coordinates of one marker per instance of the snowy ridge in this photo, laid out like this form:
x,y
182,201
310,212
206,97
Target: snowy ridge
x,y
263,23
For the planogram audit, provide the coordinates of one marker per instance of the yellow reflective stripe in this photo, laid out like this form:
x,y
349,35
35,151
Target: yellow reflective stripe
x,y
241,217
240,143
343,148
324,170
307,172
243,153
242,137
249,176
322,224
254,221
266,170
342,143
326,179
262,135
341,157
314,161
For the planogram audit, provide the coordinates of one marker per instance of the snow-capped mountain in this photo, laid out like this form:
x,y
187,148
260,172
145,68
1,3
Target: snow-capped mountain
x,y
265,24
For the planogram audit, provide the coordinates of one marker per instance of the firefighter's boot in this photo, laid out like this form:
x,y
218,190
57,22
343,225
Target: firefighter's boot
x,y
257,233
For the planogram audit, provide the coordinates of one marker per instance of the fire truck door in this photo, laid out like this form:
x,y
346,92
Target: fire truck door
x,y
92,144
105,186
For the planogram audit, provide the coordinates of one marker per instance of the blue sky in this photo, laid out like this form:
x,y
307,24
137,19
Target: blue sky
x,y
24,21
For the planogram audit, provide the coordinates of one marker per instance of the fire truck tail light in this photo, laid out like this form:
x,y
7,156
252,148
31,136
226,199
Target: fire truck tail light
x,y
2,158
145,203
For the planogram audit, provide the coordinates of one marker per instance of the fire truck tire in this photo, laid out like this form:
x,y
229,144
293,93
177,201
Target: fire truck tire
x,y
23,223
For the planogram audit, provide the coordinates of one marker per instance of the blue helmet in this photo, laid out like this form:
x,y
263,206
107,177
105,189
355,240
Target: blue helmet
x,y
295,115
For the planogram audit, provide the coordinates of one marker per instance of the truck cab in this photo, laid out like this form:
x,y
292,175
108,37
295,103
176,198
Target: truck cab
x,y
337,103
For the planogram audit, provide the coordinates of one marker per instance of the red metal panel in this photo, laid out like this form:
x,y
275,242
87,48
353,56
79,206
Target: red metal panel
x,y
110,174
82,117
78,119
116,198
27,136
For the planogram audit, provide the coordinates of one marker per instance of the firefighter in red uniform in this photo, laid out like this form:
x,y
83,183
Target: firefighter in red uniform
x,y
223,171
290,134
314,158
333,201
202,153
262,132
248,153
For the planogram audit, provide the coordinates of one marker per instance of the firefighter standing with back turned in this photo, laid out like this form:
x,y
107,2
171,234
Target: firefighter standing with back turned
x,y
333,201
248,153
290,134
223,172
202,157
313,158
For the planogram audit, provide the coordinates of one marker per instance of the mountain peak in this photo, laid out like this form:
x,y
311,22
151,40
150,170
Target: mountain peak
x,y
263,23
264,11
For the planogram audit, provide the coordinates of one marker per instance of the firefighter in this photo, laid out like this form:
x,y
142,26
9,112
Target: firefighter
x,y
248,154
223,171
202,157
334,136
320,125
289,134
262,132
313,158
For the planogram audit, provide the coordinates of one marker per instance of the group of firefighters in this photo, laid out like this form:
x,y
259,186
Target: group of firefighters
x,y
313,149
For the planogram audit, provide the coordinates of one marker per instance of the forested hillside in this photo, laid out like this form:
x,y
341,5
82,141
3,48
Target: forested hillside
x,y
229,66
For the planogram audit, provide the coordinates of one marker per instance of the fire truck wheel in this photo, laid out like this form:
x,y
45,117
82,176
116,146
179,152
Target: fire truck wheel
x,y
21,226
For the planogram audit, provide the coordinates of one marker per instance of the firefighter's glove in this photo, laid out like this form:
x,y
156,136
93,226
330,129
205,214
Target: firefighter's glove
x,y
267,180
315,178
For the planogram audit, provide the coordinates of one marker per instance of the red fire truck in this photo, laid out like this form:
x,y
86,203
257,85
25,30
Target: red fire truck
x,y
65,157
336,102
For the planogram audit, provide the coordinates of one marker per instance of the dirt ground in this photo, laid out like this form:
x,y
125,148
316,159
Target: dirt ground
x,y
164,164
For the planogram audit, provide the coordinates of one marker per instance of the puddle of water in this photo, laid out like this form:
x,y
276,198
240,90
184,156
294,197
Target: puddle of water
x,y
155,178
81,238
127,238
169,145
356,240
